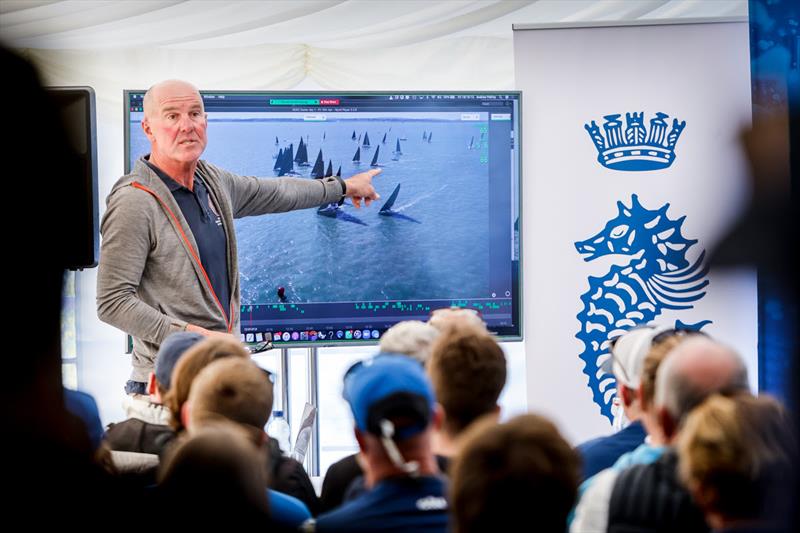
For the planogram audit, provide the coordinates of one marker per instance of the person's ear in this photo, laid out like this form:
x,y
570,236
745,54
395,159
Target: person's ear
x,y
626,396
185,412
438,416
667,423
362,441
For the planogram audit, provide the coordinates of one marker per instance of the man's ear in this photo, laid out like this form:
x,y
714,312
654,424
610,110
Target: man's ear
x,y
667,423
185,411
626,395
438,417
146,128
362,442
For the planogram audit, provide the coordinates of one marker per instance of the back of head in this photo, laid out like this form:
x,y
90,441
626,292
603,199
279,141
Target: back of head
x,y
468,372
170,351
651,365
456,318
232,388
191,363
511,474
735,454
392,403
410,337
216,474
694,370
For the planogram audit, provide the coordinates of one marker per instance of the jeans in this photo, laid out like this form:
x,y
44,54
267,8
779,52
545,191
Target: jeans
x,y
135,387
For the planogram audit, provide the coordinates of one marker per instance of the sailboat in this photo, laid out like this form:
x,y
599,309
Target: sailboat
x,y
334,210
354,135
301,158
397,152
384,139
471,143
286,160
276,141
375,158
430,136
387,211
319,167
424,135
278,160
323,135
357,156
329,172
366,140
339,172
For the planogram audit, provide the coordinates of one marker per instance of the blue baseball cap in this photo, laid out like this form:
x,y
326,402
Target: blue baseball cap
x,y
389,387
170,351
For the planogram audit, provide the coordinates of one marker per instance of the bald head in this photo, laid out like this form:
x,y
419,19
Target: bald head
x,y
695,369
167,89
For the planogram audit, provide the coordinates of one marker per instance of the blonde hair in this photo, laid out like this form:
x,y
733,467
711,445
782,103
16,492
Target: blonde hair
x,y
410,337
193,361
232,388
729,448
457,318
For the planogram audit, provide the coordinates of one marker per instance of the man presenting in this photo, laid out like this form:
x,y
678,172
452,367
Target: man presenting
x,y
168,260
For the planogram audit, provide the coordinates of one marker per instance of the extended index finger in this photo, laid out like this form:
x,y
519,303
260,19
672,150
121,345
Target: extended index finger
x,y
374,172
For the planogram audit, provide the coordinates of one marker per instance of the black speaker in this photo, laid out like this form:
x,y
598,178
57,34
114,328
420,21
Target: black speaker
x,y
77,109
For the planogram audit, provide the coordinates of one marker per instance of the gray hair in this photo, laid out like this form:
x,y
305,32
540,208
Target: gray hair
x,y
412,338
694,370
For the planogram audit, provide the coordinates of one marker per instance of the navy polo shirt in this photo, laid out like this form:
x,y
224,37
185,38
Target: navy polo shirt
x,y
602,452
207,229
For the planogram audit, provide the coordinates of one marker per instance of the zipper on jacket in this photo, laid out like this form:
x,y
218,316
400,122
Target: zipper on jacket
x,y
228,323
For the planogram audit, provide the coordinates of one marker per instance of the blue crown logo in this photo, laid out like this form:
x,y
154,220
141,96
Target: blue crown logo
x,y
635,148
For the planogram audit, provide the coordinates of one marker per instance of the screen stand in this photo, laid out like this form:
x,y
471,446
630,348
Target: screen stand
x,y
312,458
284,370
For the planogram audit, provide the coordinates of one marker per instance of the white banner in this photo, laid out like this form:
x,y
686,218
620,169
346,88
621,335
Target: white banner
x,y
632,171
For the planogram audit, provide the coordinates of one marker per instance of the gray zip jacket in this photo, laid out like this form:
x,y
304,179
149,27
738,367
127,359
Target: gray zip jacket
x,y
150,281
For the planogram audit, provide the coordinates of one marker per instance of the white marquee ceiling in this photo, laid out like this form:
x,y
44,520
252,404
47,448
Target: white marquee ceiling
x,y
331,24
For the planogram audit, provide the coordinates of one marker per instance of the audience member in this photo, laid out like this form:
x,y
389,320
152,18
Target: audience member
x,y
344,478
147,428
626,359
237,390
448,318
521,475
393,406
215,476
736,456
468,372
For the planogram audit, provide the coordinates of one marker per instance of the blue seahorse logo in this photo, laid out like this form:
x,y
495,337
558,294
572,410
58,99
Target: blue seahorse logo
x,y
658,277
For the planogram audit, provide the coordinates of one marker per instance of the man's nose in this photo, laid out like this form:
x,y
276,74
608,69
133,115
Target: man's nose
x,y
185,123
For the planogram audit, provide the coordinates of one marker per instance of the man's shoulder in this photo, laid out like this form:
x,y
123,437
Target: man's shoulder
x,y
417,503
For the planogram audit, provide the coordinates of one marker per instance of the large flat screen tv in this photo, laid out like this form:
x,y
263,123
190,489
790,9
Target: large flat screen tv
x,y
444,233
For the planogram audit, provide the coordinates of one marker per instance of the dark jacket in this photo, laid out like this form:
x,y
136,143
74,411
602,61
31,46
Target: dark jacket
x,y
650,498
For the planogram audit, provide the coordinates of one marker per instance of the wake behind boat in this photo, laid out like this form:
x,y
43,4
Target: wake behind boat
x,y
387,211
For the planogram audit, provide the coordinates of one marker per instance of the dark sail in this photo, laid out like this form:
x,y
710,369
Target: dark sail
x,y
278,160
329,172
287,163
354,135
339,172
319,167
387,207
366,139
471,142
357,157
384,139
430,136
397,148
276,141
424,135
375,157
302,154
